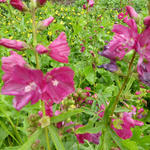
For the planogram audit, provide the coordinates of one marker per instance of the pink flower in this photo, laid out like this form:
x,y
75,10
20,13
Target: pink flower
x,y
132,13
143,69
147,21
41,49
138,93
124,40
3,1
84,6
45,23
59,84
101,111
41,2
143,44
121,15
18,4
94,138
8,63
82,49
26,85
49,108
18,45
91,3
59,49
126,125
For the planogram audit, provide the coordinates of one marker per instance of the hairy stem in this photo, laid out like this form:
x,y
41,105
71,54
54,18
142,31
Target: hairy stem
x,y
34,31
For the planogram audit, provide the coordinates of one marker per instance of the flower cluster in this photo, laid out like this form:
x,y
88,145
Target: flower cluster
x,y
127,38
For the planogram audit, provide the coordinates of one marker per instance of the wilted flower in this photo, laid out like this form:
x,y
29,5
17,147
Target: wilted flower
x,y
112,66
41,3
147,21
18,45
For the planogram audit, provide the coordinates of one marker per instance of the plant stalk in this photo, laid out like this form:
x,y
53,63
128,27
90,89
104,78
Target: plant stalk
x,y
34,31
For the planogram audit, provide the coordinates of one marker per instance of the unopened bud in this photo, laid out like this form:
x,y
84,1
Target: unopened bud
x,y
45,121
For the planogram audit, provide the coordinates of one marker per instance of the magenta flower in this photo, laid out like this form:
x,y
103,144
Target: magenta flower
x,y
84,6
126,124
26,85
94,138
143,44
49,108
41,2
41,49
59,49
82,49
101,111
132,13
59,84
8,63
18,45
91,3
121,15
147,21
124,40
45,23
18,4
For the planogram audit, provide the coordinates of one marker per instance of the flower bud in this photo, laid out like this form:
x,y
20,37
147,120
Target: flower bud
x,y
132,13
41,3
18,45
18,4
45,23
44,121
41,49
3,1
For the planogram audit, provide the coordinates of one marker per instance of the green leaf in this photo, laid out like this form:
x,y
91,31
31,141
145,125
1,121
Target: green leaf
x,y
7,131
131,145
65,115
90,74
31,139
56,138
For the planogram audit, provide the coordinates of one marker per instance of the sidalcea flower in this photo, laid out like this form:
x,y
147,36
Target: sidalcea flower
x,y
112,66
124,125
94,138
8,63
57,50
25,84
132,13
41,3
124,40
84,6
18,4
147,21
45,23
59,84
91,3
18,45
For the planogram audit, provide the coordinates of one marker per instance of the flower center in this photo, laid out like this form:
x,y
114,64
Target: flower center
x,y
55,82
30,87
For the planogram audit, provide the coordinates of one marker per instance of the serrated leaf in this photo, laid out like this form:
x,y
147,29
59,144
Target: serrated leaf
x,y
56,138
65,115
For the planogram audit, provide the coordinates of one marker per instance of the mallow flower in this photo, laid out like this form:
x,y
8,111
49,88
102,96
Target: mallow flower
x,y
8,63
25,84
59,84
132,13
57,50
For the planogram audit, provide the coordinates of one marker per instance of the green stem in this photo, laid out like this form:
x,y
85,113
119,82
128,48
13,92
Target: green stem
x,y
34,30
122,87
